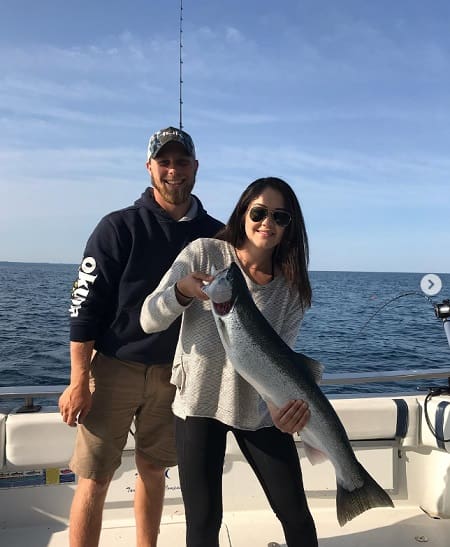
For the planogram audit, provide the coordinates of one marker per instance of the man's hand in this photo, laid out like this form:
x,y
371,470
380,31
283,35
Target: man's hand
x,y
74,403
76,400
290,418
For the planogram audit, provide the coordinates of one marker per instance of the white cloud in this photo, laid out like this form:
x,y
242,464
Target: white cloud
x,y
49,88
234,35
66,114
120,56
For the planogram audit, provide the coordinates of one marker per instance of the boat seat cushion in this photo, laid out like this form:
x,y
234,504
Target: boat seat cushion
x,y
38,440
371,419
377,417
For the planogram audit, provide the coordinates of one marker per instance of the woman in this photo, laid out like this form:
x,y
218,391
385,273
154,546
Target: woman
x,y
266,237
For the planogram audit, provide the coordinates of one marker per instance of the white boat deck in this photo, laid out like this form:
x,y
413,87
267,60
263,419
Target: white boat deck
x,y
400,527
389,435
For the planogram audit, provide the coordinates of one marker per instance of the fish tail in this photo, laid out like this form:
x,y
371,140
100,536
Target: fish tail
x,y
350,504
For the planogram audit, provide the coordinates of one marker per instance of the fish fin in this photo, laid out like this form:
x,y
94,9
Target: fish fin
x,y
350,504
315,367
313,454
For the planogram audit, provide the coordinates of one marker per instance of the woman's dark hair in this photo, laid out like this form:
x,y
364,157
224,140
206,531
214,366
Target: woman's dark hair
x,y
292,253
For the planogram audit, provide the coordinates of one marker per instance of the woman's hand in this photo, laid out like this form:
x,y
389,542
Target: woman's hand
x,y
191,287
290,418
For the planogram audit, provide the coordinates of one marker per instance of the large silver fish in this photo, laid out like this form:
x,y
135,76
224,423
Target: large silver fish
x,y
280,374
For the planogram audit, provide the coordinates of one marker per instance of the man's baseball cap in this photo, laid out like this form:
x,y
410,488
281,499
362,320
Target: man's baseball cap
x,y
170,134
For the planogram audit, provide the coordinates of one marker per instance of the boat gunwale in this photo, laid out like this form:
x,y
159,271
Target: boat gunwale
x,y
347,378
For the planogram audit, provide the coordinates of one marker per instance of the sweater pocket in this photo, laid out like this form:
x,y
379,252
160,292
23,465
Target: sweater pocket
x,y
178,377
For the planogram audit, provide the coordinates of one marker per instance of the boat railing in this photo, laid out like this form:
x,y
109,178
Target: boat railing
x,y
350,378
28,394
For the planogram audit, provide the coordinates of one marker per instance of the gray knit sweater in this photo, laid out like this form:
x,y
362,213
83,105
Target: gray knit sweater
x,y
207,384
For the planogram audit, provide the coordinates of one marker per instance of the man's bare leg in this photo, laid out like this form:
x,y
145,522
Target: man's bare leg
x,y
86,512
148,501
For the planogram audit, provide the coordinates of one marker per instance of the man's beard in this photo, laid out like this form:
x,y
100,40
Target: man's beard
x,y
173,194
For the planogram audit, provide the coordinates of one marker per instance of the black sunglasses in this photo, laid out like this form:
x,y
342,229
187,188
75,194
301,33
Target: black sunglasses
x,y
260,212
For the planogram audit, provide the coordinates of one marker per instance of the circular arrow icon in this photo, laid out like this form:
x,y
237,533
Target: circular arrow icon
x,y
431,284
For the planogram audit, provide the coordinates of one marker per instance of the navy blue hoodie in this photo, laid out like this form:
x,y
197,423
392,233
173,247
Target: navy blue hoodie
x,y
125,258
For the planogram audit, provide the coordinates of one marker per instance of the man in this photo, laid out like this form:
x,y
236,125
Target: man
x,y
125,258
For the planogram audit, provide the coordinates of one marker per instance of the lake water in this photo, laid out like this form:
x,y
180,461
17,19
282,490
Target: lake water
x,y
405,334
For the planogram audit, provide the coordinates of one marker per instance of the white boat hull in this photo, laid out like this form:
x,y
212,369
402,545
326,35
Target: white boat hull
x,y
396,447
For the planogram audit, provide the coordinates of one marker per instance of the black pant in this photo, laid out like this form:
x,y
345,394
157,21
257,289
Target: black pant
x,y
201,444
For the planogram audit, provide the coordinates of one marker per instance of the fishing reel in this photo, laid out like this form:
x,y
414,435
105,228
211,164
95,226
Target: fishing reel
x,y
442,311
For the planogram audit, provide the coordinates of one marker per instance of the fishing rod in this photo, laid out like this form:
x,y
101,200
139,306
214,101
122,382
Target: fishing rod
x,y
378,310
181,64
442,311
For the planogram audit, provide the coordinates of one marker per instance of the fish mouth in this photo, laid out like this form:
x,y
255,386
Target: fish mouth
x,y
223,308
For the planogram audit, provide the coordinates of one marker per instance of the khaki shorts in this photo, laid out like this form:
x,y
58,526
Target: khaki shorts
x,y
123,391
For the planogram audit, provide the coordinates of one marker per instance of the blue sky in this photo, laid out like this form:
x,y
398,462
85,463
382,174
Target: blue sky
x,y
348,101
